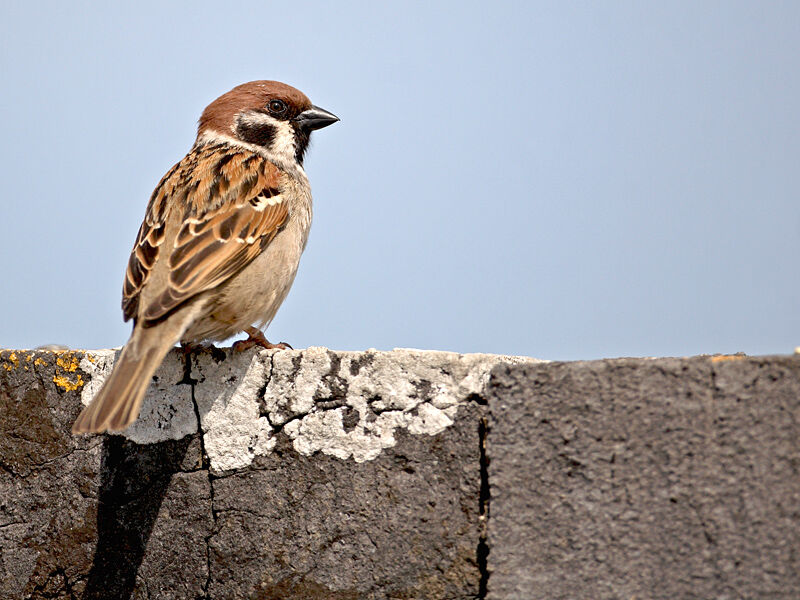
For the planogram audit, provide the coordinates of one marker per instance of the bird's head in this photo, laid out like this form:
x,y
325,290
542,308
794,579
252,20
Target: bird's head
x,y
267,114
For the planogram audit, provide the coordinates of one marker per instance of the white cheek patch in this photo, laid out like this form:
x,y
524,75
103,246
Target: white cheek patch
x,y
283,144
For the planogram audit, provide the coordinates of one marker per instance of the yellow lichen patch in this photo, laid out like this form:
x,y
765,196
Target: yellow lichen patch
x,y
39,362
29,358
67,361
91,358
64,382
10,360
724,357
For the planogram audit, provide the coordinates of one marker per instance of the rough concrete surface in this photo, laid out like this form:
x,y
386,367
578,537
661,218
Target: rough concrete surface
x,y
406,475
668,478
313,474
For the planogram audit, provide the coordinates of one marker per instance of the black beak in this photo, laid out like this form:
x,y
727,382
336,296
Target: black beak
x,y
315,118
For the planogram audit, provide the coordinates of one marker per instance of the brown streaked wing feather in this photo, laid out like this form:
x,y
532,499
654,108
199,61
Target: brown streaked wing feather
x,y
151,234
215,243
143,257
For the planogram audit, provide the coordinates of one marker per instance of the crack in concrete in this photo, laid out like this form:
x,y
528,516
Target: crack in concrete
x,y
279,427
36,467
484,500
205,467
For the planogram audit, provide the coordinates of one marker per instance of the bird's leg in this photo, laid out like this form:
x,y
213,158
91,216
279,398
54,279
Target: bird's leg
x,y
257,338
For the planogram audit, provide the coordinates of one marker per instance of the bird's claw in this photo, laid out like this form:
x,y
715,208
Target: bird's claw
x,y
257,338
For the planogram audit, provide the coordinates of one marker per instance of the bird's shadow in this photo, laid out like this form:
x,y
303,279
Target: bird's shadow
x,y
134,481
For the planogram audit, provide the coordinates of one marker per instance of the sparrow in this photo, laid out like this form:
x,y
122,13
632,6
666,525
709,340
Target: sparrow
x,y
220,242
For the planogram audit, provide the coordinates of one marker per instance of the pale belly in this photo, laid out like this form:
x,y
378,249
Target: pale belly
x,y
252,296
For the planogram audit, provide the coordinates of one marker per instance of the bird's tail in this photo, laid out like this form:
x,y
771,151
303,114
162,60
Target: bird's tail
x,y
117,403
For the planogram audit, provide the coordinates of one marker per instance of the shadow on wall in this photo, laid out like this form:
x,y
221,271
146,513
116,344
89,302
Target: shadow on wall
x,y
135,479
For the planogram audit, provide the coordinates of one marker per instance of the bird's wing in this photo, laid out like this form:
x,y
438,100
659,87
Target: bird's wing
x,y
232,208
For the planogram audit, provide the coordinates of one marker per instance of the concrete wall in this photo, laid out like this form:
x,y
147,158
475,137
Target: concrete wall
x,y
405,474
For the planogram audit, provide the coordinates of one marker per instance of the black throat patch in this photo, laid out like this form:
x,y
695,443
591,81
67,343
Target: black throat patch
x,y
301,140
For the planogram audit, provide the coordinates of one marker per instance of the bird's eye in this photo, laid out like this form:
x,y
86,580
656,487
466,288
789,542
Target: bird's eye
x,y
277,107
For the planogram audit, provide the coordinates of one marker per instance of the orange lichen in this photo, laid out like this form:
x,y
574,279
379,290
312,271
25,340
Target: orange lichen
x,y
67,361
724,357
69,386
10,361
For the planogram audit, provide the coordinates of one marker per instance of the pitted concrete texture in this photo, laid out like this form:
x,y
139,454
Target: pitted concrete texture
x,y
293,474
376,475
667,478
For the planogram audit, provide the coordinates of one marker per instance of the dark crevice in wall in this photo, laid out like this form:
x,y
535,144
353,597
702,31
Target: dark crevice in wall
x,y
187,379
484,500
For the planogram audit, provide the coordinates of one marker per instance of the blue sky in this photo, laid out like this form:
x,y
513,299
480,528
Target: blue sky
x,y
563,180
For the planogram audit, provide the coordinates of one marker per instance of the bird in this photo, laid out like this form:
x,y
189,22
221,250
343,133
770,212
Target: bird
x,y
220,242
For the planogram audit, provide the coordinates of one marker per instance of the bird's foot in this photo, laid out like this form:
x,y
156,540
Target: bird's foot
x,y
256,337
190,347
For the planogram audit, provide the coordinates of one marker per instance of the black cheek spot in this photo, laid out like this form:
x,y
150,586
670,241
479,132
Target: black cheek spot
x,y
260,134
